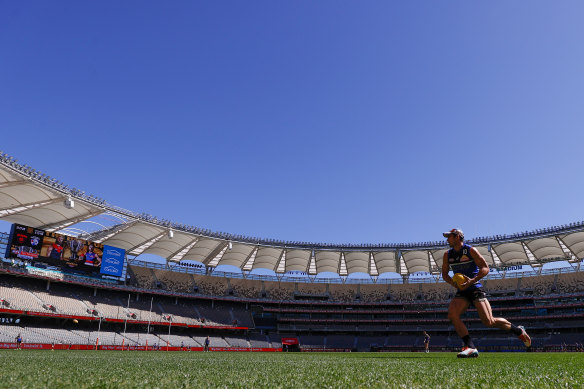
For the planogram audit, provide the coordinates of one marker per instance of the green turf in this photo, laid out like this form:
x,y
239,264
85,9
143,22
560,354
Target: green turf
x,y
169,370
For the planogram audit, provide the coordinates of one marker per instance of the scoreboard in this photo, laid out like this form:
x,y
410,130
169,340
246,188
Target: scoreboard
x,y
67,252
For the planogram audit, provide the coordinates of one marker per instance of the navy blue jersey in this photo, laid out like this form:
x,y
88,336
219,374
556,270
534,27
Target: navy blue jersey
x,y
462,262
426,338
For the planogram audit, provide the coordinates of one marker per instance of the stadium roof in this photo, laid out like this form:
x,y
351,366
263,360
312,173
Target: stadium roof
x,y
31,198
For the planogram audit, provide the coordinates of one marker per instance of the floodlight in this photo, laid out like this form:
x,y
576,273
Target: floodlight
x,y
69,203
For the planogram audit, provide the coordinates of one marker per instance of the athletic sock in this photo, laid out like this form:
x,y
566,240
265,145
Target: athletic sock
x,y
515,330
468,341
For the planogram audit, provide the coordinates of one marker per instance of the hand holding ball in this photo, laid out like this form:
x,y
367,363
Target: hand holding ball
x,y
459,279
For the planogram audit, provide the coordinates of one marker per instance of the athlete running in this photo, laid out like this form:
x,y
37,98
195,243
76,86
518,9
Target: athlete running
x,y
462,258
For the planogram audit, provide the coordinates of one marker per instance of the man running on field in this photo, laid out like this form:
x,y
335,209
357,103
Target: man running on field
x,y
462,258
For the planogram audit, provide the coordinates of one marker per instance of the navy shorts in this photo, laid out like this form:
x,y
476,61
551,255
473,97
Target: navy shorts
x,y
471,294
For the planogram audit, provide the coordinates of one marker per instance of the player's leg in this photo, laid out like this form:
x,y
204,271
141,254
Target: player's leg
x,y
486,314
456,308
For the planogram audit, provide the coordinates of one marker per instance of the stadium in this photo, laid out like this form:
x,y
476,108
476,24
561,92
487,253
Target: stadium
x,y
271,194
252,294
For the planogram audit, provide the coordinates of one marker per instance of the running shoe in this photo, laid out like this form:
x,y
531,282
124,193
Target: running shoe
x,y
468,352
524,337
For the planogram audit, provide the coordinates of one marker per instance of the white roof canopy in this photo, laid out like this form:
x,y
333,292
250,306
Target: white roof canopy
x,y
30,198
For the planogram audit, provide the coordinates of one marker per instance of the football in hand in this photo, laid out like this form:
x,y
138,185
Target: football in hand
x,y
459,279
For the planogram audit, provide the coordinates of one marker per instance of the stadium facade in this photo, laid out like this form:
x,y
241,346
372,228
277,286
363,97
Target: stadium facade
x,y
356,306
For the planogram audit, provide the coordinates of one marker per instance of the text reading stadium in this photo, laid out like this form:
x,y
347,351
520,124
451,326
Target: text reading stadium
x,y
70,280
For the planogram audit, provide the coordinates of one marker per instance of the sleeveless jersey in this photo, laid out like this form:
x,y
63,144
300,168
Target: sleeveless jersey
x,y
90,258
462,262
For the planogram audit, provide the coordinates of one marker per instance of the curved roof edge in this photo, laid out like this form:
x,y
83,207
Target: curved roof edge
x,y
9,163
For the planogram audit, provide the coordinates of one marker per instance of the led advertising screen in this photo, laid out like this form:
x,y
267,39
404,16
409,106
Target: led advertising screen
x,y
112,261
33,244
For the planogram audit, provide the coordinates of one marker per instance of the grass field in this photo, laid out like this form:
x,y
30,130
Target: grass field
x,y
169,370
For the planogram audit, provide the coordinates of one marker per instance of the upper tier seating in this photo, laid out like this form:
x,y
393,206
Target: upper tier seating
x,y
343,293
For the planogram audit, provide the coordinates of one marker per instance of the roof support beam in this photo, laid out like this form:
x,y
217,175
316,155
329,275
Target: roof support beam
x,y
69,222
574,257
340,264
281,263
121,228
495,256
311,269
34,204
372,268
530,256
174,257
432,265
145,244
214,253
397,262
13,183
75,231
247,264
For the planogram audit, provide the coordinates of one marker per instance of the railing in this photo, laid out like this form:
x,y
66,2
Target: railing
x,y
313,279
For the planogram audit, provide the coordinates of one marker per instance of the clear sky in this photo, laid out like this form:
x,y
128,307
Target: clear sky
x,y
323,121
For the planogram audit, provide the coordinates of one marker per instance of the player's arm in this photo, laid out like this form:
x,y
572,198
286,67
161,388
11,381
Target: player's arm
x,y
481,263
445,268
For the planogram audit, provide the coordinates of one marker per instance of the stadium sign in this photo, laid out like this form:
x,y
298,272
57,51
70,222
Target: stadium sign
x,y
113,261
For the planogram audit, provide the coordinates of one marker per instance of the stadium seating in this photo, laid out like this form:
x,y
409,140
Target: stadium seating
x,y
174,281
374,293
498,286
570,282
237,342
354,316
312,341
364,343
211,286
279,290
405,292
214,341
538,286
246,288
340,341
144,277
259,340
16,293
343,292
308,289
437,291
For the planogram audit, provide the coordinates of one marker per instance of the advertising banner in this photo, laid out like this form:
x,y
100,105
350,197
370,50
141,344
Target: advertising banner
x,y
59,346
290,341
112,261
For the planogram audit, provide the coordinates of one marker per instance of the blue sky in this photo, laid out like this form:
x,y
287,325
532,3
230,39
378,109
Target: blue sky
x,y
328,121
